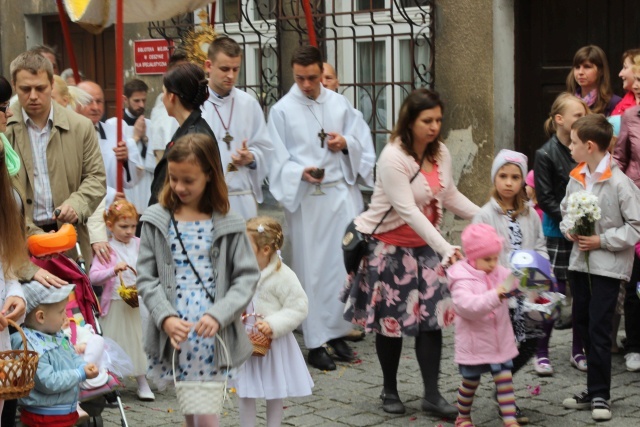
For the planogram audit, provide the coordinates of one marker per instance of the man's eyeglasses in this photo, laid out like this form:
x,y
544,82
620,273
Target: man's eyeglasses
x,y
4,107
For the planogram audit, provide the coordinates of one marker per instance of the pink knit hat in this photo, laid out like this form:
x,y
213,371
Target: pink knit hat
x,y
480,240
530,181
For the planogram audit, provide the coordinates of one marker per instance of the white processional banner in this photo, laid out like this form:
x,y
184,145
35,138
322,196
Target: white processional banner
x,y
95,15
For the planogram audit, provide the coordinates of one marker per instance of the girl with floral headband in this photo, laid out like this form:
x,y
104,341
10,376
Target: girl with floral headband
x,y
277,308
121,322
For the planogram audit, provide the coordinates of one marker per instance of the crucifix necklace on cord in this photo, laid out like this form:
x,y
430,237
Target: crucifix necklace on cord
x,y
322,134
227,138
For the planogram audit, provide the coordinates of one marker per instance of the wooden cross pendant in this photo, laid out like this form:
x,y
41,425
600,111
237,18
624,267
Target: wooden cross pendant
x,y
322,135
227,139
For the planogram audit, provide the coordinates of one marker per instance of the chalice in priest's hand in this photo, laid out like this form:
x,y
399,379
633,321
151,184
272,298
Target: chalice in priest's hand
x,y
317,173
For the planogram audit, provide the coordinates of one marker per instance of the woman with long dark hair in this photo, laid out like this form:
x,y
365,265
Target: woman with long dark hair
x,y
184,89
400,287
589,80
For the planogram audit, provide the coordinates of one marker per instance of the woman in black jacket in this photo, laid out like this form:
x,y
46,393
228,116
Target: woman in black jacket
x,y
184,91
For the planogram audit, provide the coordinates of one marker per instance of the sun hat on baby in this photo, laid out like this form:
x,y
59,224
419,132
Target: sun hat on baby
x,y
508,156
480,240
36,293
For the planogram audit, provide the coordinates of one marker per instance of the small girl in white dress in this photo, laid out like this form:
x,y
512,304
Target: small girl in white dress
x,y
120,322
279,297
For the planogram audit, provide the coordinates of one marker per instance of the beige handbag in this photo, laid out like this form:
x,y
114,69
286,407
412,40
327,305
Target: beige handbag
x,y
201,397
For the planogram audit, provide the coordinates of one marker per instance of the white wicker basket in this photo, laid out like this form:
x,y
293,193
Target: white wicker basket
x,y
201,397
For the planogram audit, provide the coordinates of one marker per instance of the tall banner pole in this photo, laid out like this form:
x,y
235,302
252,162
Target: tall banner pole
x,y
309,18
67,41
119,86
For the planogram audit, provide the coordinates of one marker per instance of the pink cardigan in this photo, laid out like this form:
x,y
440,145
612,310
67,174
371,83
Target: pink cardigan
x,y
409,200
104,275
483,329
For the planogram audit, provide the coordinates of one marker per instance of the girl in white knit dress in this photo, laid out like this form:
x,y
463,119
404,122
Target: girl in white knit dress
x,y
279,297
120,322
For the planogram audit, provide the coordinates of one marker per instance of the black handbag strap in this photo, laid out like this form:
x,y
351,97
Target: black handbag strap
x,y
391,208
184,251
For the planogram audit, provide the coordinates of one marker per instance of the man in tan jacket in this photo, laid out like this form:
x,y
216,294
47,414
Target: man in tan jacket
x,y
62,164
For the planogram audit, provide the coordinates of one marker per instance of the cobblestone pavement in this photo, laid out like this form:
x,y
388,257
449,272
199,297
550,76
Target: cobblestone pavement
x,y
348,396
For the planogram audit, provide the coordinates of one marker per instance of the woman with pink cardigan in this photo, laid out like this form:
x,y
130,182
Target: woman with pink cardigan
x,y
401,285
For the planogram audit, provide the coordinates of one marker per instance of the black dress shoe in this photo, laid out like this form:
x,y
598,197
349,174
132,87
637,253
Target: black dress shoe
x,y
441,408
320,359
391,403
341,349
562,324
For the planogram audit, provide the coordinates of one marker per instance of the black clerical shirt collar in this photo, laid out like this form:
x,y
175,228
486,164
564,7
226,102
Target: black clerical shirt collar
x,y
100,130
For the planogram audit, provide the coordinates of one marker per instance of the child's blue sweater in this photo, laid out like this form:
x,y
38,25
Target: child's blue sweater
x,y
60,371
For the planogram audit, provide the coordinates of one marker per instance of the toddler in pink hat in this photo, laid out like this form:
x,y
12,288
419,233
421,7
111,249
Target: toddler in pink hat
x,y
480,241
484,339
530,188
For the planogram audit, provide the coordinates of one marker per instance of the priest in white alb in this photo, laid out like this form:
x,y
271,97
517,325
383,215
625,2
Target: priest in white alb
x,y
237,121
318,151
368,160
135,128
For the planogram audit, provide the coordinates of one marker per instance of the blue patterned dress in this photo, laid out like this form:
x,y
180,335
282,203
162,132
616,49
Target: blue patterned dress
x,y
195,361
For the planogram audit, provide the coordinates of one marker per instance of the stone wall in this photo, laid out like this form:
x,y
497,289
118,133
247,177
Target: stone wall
x,y
464,77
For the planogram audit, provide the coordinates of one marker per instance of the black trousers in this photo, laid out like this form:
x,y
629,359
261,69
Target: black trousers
x,y
632,310
9,413
593,305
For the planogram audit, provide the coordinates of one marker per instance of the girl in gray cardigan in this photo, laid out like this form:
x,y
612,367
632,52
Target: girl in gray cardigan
x,y
196,272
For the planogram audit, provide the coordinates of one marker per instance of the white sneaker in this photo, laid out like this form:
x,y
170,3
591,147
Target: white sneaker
x,y
632,361
600,409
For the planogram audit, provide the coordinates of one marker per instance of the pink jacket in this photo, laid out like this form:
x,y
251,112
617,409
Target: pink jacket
x,y
627,149
483,329
392,188
104,275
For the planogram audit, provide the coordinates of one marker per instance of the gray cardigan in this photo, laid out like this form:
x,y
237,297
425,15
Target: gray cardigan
x,y
532,235
235,269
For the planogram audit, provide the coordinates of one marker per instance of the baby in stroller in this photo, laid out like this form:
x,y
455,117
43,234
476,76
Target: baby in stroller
x,y
108,356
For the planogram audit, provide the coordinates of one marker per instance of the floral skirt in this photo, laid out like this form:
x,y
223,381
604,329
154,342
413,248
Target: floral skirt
x,y
397,291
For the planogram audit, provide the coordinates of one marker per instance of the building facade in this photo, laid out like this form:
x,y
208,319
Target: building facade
x,y
497,64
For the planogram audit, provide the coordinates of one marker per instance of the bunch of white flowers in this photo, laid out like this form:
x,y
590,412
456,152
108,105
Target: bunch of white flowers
x,y
582,213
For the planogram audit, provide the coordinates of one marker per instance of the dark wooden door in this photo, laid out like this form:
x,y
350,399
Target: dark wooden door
x,y
95,55
548,33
